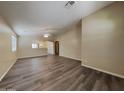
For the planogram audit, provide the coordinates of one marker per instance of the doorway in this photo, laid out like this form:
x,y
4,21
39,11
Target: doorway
x,y
50,47
57,48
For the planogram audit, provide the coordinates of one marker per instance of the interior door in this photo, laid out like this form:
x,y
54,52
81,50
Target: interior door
x,y
56,47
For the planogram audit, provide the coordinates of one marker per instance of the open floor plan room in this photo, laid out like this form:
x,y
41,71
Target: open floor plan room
x,y
62,46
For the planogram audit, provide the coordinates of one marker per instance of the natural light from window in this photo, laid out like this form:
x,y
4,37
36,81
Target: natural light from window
x,y
34,45
14,43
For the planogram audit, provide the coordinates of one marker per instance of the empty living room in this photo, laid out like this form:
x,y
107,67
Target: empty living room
x,y
68,46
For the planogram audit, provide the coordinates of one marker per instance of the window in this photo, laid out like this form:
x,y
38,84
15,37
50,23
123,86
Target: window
x,y
13,38
34,45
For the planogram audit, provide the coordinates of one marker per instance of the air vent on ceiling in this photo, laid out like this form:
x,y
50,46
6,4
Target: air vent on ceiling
x,y
69,4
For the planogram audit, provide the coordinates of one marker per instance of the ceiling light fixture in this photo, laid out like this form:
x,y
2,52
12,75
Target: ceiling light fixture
x,y
46,35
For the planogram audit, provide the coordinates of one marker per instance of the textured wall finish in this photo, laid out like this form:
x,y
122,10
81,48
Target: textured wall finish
x,y
70,42
7,57
103,39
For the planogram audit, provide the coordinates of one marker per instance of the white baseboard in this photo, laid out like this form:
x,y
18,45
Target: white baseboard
x,y
8,70
32,56
71,58
111,73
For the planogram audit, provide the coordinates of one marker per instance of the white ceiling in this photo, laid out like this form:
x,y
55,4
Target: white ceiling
x,y
40,17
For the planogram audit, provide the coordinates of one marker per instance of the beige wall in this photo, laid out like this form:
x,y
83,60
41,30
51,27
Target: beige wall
x,y
25,47
103,39
70,42
7,57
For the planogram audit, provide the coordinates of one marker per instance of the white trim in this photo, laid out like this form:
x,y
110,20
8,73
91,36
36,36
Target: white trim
x,y
71,58
7,70
32,56
111,73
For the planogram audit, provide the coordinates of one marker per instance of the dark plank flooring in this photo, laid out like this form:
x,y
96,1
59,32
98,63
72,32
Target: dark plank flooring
x,y
57,74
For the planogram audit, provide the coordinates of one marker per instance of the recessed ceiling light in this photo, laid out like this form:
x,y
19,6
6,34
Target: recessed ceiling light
x,y
46,35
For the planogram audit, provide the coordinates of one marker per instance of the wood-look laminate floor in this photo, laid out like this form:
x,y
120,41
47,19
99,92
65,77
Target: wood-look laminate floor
x,y
57,74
